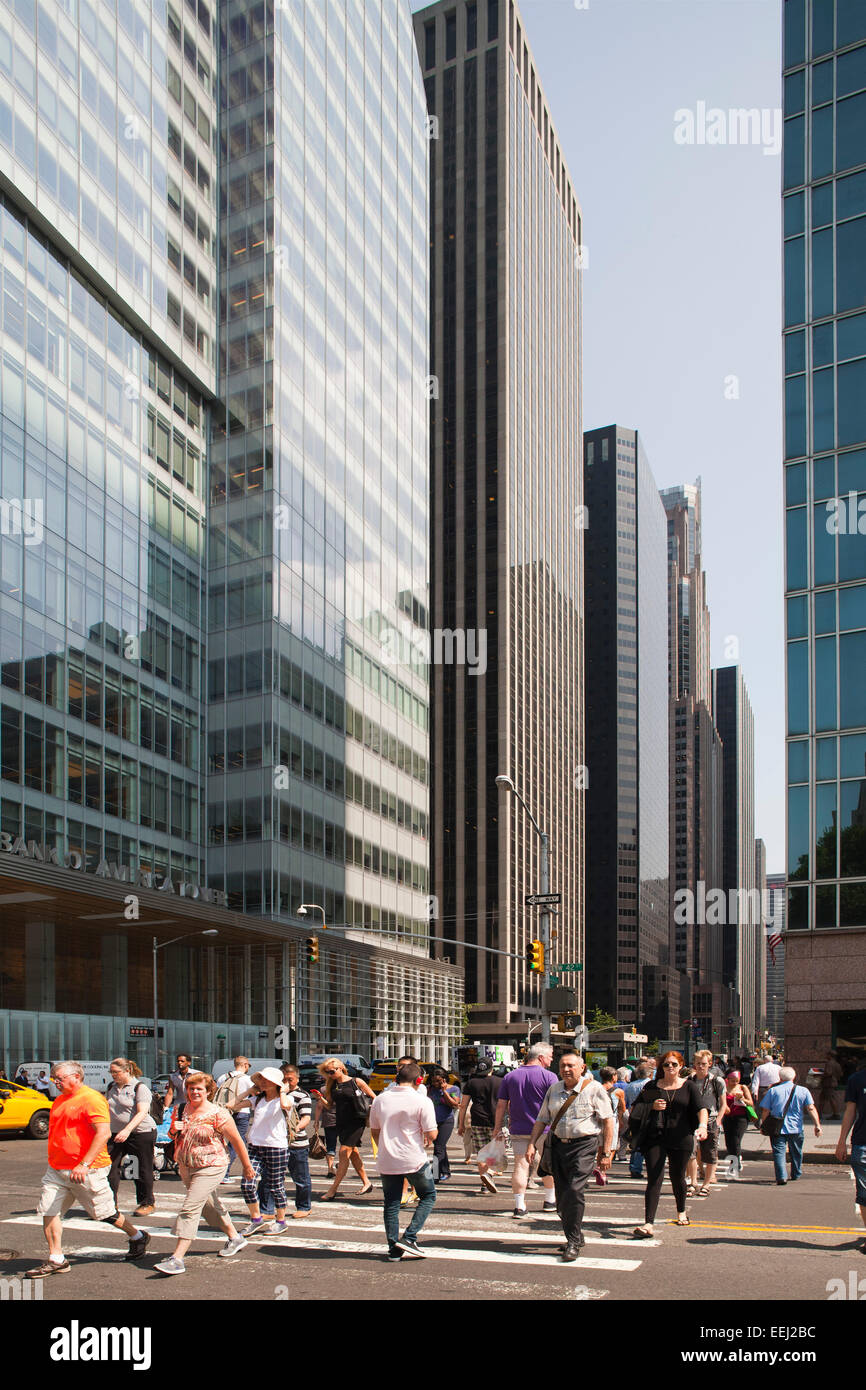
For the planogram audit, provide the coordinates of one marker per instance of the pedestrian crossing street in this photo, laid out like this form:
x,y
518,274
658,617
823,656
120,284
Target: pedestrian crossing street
x,y
466,1228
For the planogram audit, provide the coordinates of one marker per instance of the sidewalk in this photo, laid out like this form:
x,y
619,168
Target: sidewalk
x,y
823,1150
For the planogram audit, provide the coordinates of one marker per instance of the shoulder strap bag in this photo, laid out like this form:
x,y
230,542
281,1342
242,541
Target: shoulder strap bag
x,y
771,1125
544,1168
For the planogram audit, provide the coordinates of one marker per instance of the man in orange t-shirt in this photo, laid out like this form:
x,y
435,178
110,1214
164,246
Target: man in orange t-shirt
x,y
78,1164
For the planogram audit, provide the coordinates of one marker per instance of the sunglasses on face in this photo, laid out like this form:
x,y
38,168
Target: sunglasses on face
x,y
670,1064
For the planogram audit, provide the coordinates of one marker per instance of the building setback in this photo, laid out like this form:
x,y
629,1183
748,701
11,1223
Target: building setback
x,y
505,476
825,554
736,725
220,408
628,900
776,901
696,766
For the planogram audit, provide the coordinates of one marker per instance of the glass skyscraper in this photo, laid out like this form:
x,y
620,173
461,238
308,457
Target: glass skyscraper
x,y
214,477
825,494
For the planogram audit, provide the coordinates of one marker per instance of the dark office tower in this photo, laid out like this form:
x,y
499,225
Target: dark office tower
x,y
825,487
736,726
776,902
627,734
761,939
505,499
696,764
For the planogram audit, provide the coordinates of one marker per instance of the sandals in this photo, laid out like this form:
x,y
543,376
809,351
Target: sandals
x,y
682,1220
703,1191
643,1233
365,1190
326,1198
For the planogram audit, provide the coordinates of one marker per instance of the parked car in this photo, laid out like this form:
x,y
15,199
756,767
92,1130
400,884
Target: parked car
x,y
351,1059
23,1109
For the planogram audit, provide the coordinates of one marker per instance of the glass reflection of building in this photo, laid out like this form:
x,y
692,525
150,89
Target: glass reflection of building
x,y
736,725
628,886
505,502
825,490
218,310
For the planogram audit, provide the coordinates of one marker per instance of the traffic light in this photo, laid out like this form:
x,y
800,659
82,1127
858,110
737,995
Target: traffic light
x,y
535,955
313,949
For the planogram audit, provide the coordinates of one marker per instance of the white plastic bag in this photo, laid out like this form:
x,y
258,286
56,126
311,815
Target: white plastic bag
x,y
492,1155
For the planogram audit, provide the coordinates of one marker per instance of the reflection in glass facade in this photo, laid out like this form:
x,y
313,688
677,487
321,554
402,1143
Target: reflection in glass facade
x,y
825,461
318,479
214,493
505,502
628,855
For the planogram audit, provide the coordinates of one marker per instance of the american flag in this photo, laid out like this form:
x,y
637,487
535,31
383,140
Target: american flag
x,y
774,939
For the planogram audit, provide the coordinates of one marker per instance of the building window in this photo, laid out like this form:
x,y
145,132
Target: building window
x,y
450,37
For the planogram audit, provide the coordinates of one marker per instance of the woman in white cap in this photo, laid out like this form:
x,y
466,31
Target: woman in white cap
x,y
268,1147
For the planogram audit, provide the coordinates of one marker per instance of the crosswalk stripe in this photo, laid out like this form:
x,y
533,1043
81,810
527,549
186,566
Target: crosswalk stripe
x,y
358,1247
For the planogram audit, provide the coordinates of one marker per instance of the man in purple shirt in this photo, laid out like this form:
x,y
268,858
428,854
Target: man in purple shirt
x,y
521,1093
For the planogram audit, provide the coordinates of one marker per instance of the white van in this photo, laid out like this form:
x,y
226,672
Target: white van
x,y
352,1059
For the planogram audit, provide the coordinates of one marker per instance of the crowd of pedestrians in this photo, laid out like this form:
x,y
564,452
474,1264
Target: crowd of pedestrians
x,y
568,1127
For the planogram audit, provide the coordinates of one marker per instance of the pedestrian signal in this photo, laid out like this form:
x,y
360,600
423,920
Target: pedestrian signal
x,y
535,955
312,949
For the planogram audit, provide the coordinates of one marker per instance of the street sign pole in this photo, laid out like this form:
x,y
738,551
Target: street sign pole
x,y
545,932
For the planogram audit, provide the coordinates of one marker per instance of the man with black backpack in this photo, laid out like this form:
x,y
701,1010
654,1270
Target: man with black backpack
x,y
712,1089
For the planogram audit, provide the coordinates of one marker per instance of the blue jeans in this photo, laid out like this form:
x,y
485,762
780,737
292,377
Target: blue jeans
x,y
858,1163
635,1163
299,1169
242,1120
794,1144
392,1185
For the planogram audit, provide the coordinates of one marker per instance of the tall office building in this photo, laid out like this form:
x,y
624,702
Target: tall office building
x,y
505,503
761,938
776,903
825,481
628,900
736,725
696,767
214,506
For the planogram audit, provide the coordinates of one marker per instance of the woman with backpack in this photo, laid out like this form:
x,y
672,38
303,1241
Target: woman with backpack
x,y
133,1131
712,1090
268,1147
348,1096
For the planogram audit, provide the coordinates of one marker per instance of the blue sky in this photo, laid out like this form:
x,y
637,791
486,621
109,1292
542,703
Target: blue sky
x,y
682,291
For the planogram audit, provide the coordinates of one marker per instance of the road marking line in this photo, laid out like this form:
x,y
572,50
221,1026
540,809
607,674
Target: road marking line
x,y
346,1247
737,1226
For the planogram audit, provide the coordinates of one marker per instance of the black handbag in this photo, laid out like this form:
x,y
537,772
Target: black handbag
x,y
771,1125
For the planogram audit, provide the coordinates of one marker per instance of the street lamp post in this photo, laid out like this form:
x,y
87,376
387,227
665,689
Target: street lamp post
x,y
312,907
159,946
544,929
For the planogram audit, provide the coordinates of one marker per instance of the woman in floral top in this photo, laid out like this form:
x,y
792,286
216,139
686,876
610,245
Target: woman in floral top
x,y
200,1139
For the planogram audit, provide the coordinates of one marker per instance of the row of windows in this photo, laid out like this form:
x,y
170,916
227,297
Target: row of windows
x,y
169,653
245,747
73,835
845,756
835,24
242,821
120,706
57,763
848,909
363,669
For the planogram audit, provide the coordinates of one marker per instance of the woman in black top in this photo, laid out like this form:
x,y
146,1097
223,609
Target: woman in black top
x,y
670,1111
342,1092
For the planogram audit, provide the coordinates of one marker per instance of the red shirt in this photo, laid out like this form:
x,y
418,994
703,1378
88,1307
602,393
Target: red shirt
x,y
71,1124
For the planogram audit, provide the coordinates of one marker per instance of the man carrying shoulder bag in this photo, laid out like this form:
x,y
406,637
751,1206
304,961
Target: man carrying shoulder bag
x,y
784,1106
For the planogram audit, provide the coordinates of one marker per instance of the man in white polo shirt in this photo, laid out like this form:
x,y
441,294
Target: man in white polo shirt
x,y
403,1125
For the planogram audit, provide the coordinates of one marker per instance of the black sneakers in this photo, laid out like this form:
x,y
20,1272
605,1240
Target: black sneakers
x,y
394,1254
138,1246
407,1245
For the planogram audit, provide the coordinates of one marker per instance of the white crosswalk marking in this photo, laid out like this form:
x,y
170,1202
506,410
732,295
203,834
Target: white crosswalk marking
x,y
452,1252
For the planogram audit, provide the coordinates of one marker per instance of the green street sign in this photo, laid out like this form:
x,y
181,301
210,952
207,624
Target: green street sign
x,y
554,979
578,966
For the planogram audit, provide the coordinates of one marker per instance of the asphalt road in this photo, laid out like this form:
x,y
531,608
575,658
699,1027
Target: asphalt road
x,y
749,1242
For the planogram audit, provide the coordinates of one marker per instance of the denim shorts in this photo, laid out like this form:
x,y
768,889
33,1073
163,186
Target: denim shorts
x,y
858,1163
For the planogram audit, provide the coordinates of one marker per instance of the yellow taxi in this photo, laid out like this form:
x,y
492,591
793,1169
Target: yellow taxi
x,y
382,1075
22,1108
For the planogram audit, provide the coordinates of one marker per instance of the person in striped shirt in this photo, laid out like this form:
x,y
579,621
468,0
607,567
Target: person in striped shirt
x,y
299,1147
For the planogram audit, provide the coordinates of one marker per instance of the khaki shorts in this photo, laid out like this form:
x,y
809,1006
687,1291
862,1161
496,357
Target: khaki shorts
x,y
59,1193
